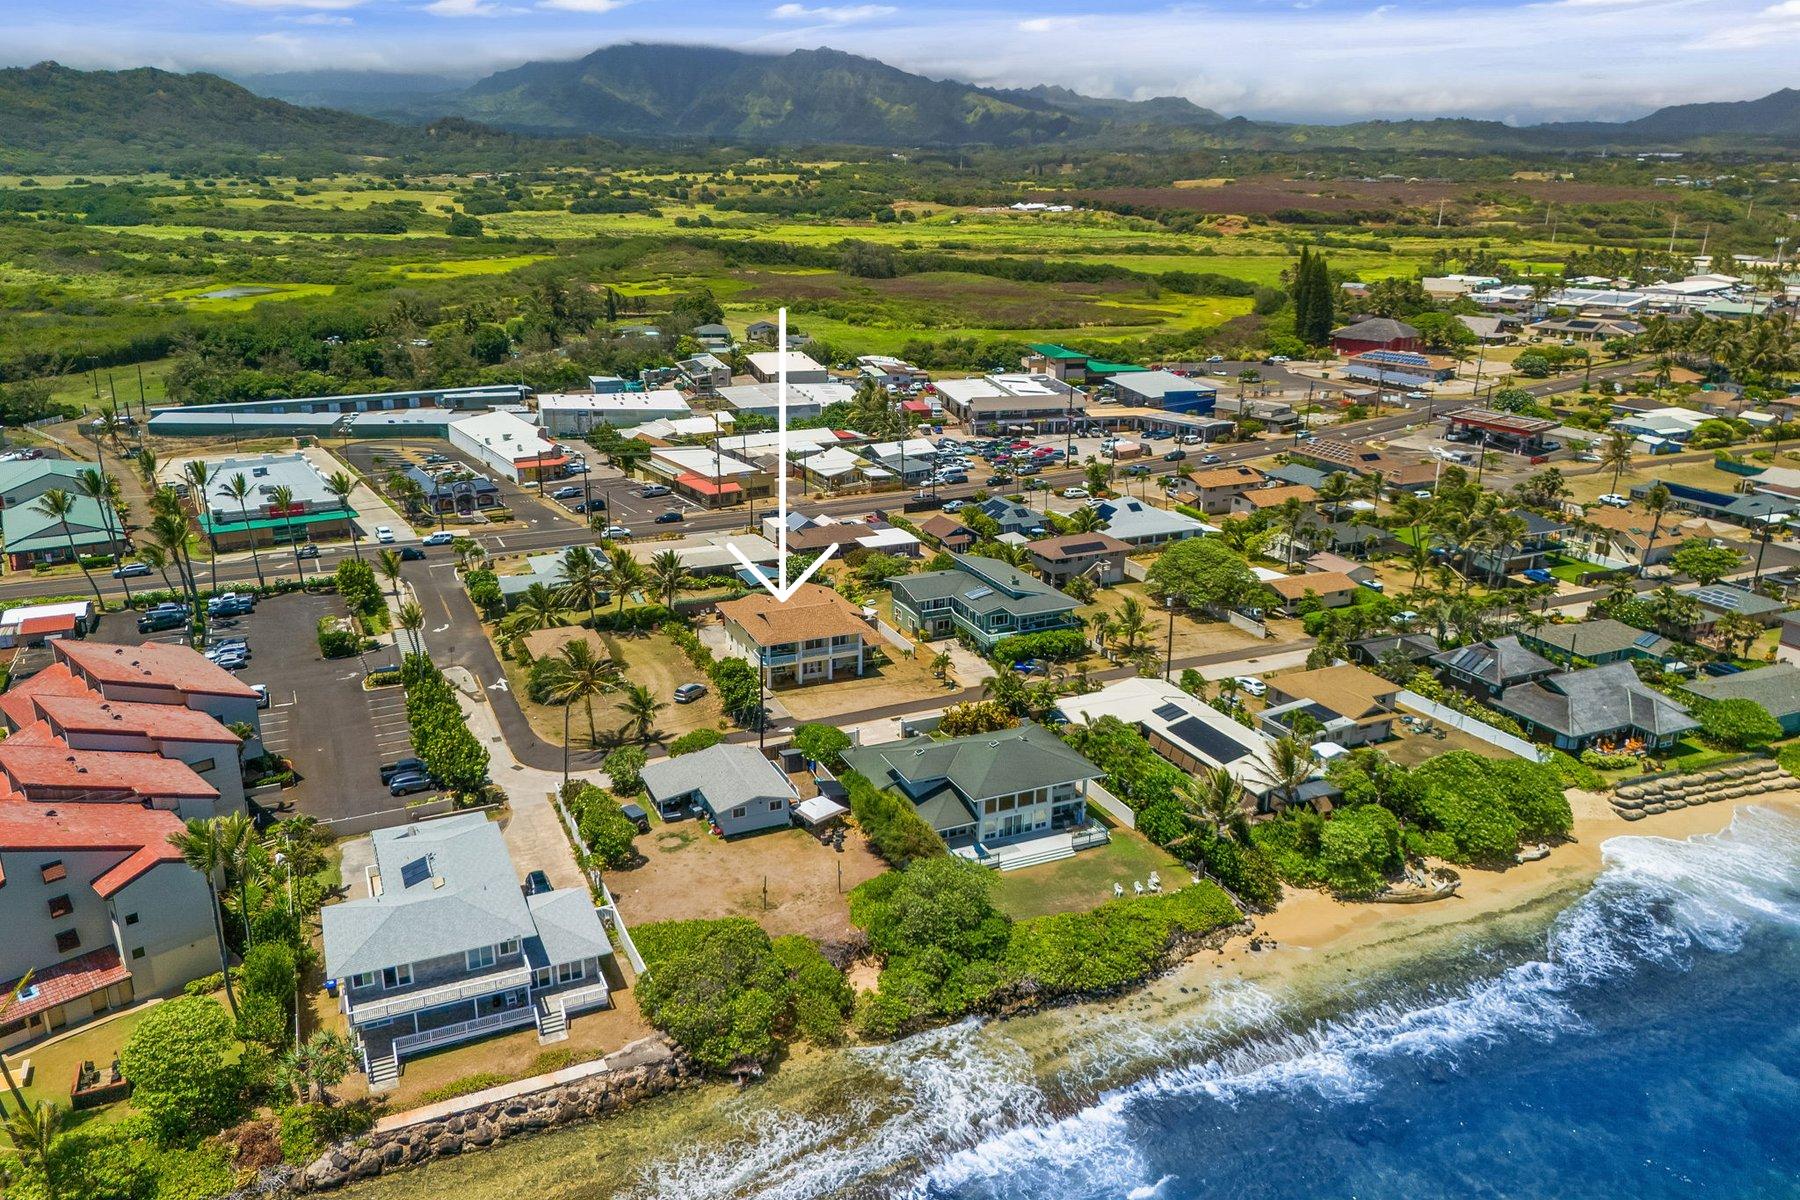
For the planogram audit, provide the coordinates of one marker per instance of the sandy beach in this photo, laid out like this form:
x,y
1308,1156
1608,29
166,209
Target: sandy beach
x,y
1311,930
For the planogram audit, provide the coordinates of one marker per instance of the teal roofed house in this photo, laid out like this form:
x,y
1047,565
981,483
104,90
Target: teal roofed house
x,y
981,599
1007,799
32,536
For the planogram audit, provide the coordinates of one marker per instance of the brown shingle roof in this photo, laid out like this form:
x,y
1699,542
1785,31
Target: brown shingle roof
x,y
1276,496
1346,690
1071,545
1320,583
1213,477
812,612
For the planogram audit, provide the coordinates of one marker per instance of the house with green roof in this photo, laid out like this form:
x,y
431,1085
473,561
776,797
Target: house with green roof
x,y
31,536
1775,687
988,790
981,599
24,480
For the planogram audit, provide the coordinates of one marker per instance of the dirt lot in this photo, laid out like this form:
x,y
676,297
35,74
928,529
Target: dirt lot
x,y
1192,637
691,874
1409,749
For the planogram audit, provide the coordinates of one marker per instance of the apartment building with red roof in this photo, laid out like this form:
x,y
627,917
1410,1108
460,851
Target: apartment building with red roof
x,y
160,673
99,907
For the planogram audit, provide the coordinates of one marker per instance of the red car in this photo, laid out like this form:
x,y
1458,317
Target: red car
x,y
1022,444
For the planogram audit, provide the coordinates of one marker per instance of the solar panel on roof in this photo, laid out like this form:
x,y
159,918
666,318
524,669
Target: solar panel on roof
x,y
1644,640
415,872
1169,712
1207,741
980,593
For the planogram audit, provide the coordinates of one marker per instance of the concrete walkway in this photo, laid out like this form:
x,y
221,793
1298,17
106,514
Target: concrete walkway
x,y
371,508
633,1054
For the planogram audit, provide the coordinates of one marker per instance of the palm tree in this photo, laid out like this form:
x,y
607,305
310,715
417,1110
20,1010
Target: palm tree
x,y
1656,503
539,607
282,498
580,578
1005,687
157,559
98,486
1334,491
57,504
340,485
1213,797
204,850
1086,519
199,478
1289,767
32,1130
412,619
389,563
641,706
667,577
941,663
623,574
243,851
1617,455
6,1003
170,531
238,488
580,674
467,550
1734,628
1132,622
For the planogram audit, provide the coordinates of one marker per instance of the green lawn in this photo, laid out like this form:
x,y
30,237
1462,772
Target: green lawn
x,y
53,1066
1080,883
1569,570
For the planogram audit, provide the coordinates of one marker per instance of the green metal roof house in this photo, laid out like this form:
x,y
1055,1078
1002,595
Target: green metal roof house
x,y
33,537
982,598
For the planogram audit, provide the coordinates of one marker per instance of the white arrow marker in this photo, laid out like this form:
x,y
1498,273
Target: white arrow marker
x,y
785,591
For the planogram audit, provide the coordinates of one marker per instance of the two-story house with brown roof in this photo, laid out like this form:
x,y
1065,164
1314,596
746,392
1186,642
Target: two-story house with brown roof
x,y
813,637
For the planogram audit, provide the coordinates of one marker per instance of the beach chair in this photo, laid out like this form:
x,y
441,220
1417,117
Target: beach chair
x,y
1118,890
1137,886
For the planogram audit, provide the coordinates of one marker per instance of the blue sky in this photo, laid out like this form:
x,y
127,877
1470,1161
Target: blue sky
x,y
1292,59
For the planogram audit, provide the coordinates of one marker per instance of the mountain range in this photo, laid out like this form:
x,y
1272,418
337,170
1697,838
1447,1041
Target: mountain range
x,y
56,117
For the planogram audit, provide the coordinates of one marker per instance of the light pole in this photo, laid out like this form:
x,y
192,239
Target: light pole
x,y
1768,528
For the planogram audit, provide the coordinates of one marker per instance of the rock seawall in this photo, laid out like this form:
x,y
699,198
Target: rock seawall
x,y
639,1072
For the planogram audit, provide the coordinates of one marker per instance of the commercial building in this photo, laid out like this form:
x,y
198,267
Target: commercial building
x,y
709,476
1036,403
23,480
889,372
704,373
445,947
805,401
1399,368
311,510
988,790
318,415
813,637
765,367
982,599
32,536
1502,431
509,445
1167,391
576,414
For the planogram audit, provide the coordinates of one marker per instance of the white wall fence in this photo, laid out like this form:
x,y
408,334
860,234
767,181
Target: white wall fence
x,y
389,818
609,912
1111,805
1474,728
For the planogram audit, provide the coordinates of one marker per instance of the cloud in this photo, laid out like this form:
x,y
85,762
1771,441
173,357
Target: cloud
x,y
842,14
295,3
584,6
1048,24
320,18
463,8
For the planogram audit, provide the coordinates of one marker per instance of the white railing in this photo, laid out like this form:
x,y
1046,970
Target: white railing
x,y
463,1030
578,999
467,989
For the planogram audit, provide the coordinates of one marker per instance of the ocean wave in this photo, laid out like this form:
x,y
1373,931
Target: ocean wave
x,y
1656,902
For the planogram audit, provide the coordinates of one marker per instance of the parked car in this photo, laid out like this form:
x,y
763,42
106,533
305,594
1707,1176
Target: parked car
x,y
654,490
1722,668
410,553
1188,439
1405,617
565,493
999,480
1539,575
131,570
434,459
308,551
402,766
262,694
1250,685
1074,493
670,517
155,622
442,537
1210,459
233,660
687,693
1614,500
1031,666
1136,469
406,785
1028,469
535,883
1374,585
637,816
615,531
384,534
955,506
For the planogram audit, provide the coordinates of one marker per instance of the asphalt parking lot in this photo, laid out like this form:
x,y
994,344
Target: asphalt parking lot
x,y
319,717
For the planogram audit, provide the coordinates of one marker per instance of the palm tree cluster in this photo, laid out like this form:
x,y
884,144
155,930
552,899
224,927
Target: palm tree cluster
x,y
1757,349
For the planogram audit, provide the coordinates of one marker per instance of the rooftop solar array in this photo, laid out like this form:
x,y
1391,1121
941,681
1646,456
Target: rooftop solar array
x,y
1207,741
415,872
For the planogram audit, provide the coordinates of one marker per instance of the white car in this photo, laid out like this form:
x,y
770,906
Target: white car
x,y
384,534
1074,493
442,537
955,506
1614,500
1404,618
1250,685
615,531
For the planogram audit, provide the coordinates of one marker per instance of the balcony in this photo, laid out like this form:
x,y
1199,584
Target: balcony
x,y
360,1013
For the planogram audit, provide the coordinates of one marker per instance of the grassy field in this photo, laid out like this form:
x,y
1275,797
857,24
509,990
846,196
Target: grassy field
x,y
1085,881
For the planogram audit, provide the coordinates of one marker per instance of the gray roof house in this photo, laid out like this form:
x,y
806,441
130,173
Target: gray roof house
x,y
1599,642
738,789
446,947
1776,687
982,599
1717,599
1142,524
1605,705
1013,517
988,791
1489,668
